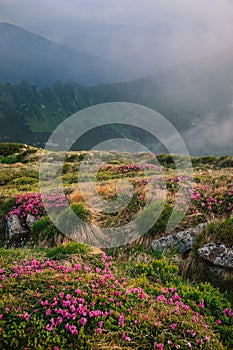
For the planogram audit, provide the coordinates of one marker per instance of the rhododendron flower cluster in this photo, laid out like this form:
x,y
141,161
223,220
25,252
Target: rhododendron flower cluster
x,y
32,203
206,200
93,301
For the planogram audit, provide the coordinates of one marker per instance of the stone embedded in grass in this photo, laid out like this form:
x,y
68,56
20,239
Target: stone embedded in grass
x,y
217,253
14,227
184,240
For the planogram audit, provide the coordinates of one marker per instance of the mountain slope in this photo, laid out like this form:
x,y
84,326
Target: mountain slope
x,y
26,56
143,92
36,113
202,86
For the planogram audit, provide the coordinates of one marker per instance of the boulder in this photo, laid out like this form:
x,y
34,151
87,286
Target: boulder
x,y
217,254
14,227
184,240
30,220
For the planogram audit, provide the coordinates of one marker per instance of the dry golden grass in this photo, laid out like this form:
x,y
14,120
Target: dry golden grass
x,y
106,189
220,190
76,197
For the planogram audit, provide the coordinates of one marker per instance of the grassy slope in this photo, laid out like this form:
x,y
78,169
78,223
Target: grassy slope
x,y
19,175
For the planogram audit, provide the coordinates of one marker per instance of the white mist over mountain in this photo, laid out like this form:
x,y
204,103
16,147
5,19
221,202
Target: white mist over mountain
x,y
148,35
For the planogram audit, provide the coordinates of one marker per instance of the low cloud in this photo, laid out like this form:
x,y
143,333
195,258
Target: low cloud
x,y
7,2
212,136
160,31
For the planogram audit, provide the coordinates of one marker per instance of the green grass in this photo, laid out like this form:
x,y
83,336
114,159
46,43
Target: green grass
x,y
222,231
62,251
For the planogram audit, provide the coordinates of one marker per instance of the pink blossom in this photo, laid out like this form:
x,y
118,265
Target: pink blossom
x,y
121,320
48,312
49,327
173,326
218,322
83,321
100,324
191,332
126,337
161,298
202,304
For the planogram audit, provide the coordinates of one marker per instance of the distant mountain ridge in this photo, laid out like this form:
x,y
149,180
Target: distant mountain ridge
x,y
36,113
30,57
202,86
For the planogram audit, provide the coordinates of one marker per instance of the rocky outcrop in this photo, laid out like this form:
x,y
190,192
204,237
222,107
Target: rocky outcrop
x,y
14,227
217,254
184,240
16,235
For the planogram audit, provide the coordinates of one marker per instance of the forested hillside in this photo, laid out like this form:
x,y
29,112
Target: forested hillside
x,y
29,115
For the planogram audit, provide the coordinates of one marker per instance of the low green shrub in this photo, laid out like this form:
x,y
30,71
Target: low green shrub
x,y
24,180
7,149
159,270
65,249
44,233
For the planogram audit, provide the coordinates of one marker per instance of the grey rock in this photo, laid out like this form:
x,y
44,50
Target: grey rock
x,y
30,220
184,240
140,257
14,227
217,254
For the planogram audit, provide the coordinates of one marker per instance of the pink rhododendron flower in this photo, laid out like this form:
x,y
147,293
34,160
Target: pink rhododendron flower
x,y
173,326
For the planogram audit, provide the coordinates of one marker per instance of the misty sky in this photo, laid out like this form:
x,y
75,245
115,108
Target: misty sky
x,y
179,30
212,15
147,35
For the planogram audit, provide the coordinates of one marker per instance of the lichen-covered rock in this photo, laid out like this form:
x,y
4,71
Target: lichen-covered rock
x,y
217,253
14,227
140,257
184,240
30,220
